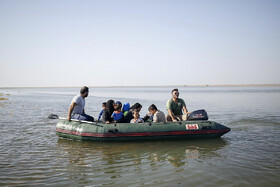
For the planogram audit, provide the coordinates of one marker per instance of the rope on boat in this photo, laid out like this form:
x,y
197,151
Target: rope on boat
x,y
81,121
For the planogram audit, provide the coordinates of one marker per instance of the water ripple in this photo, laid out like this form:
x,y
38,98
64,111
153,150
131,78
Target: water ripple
x,y
32,154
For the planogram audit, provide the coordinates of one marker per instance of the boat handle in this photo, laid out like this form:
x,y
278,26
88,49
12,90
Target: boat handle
x,y
113,130
206,127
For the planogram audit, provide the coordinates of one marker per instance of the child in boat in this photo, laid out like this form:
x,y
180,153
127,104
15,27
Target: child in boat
x,y
103,109
156,115
117,115
136,116
125,108
129,116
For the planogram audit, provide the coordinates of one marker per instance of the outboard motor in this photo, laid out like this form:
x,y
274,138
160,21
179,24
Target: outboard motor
x,y
198,115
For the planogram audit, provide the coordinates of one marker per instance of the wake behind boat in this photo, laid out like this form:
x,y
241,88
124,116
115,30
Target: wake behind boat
x,y
98,131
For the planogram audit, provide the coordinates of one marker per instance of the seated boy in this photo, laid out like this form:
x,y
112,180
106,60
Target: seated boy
x,y
158,116
101,112
117,115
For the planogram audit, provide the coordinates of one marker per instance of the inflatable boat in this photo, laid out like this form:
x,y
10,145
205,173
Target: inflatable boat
x,y
98,131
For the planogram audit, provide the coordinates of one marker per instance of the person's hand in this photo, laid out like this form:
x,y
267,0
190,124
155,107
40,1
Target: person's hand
x,y
68,118
174,120
107,122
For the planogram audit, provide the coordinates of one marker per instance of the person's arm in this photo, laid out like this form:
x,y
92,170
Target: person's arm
x,y
155,118
172,115
100,115
184,107
169,110
72,106
185,110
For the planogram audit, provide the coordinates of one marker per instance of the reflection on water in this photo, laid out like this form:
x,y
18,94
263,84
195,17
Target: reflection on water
x,y
130,163
175,152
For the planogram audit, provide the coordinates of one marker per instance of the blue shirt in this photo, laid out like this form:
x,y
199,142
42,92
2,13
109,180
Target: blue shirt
x,y
100,115
117,116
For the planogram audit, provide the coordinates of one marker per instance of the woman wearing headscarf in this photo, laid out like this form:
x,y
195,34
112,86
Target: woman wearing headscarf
x,y
107,114
129,115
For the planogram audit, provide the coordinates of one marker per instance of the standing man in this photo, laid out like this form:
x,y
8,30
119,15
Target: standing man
x,y
174,106
76,110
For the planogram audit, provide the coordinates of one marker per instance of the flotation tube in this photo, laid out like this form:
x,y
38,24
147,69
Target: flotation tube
x,y
84,130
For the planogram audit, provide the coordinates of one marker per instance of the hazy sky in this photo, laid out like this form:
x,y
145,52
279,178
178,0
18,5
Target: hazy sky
x,y
139,42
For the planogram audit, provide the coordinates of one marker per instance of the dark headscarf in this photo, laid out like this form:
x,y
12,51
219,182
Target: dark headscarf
x,y
129,115
107,114
136,106
110,106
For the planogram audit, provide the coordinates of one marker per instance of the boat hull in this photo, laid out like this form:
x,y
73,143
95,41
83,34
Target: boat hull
x,y
97,131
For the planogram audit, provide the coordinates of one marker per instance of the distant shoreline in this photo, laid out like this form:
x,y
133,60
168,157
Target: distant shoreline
x,y
207,85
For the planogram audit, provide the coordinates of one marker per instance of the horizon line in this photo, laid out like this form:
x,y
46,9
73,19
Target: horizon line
x,y
135,86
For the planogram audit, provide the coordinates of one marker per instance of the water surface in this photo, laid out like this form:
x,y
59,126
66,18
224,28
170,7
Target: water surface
x,y
31,153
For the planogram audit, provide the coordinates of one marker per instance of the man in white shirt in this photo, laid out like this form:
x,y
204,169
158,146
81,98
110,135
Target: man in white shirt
x,y
76,110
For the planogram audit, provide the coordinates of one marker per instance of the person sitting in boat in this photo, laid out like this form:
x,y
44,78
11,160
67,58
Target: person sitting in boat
x,y
129,116
157,116
101,112
76,110
136,117
125,108
174,106
107,114
117,115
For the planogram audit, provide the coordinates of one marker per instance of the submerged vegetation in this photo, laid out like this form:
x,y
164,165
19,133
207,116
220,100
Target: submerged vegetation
x,y
3,98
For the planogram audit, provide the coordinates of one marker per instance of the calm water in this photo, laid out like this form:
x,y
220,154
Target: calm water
x,y
31,153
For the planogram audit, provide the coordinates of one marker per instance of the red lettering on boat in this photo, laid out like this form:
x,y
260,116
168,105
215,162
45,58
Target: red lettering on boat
x,y
191,126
